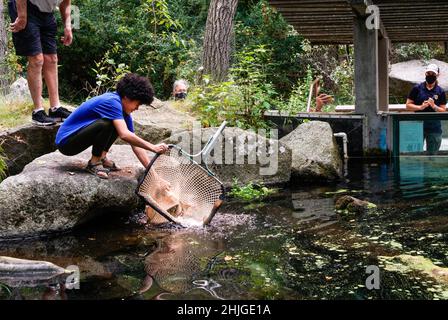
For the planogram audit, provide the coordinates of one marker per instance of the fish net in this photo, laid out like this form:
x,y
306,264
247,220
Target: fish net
x,y
178,189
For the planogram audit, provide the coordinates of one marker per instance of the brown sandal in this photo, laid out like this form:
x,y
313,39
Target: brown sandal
x,y
112,166
97,169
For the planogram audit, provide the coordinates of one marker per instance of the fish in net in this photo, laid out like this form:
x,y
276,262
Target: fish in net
x,y
178,189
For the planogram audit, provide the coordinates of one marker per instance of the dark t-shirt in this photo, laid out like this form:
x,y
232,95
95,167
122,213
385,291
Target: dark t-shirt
x,y
419,94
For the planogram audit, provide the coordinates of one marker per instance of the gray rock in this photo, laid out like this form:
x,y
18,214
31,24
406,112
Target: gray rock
x,y
239,154
54,193
405,75
315,154
19,91
23,144
159,123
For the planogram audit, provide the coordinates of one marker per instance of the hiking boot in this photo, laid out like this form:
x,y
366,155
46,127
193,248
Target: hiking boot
x,y
40,118
60,114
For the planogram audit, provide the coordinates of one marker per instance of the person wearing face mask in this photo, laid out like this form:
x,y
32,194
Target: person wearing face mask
x,y
180,89
429,97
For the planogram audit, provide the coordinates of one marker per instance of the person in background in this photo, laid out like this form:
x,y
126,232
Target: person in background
x,y
322,100
180,89
429,97
34,32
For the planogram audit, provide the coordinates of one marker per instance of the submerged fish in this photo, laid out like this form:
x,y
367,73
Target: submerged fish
x,y
19,272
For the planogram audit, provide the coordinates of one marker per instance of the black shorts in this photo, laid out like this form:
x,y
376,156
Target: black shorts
x,y
39,36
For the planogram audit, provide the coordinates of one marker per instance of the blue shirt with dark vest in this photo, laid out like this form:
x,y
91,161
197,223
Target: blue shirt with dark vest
x,y
106,106
419,94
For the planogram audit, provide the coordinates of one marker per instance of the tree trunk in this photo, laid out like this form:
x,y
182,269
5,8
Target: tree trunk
x,y
4,81
218,38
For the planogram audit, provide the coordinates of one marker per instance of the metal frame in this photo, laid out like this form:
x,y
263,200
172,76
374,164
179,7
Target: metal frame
x,y
205,152
410,116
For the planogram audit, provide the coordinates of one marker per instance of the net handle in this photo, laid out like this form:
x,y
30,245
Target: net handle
x,y
208,146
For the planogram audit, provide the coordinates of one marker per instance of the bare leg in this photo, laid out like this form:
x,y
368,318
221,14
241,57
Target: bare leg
x,y
50,70
35,64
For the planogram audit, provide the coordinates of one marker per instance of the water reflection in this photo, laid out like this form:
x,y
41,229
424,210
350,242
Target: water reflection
x,y
179,259
293,246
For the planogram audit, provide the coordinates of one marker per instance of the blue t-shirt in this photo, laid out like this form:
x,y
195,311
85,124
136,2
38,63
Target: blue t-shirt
x,y
106,106
419,94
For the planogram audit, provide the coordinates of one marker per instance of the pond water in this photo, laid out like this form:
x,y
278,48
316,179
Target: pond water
x,y
292,246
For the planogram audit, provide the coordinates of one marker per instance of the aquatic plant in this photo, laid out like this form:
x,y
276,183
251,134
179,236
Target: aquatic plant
x,y
5,288
3,166
251,191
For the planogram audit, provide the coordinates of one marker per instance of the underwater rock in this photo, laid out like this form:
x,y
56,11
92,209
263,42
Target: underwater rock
x,y
406,263
315,153
15,272
23,144
158,123
54,193
353,205
239,154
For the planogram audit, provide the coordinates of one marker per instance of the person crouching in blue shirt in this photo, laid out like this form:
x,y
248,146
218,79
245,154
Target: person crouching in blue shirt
x,y
429,97
99,121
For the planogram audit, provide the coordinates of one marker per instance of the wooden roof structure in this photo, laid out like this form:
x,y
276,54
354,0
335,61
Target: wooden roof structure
x,y
331,21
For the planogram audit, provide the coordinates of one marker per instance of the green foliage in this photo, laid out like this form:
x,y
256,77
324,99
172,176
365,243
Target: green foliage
x,y
215,102
259,25
108,73
4,288
3,166
408,51
145,33
251,192
241,101
343,77
251,76
298,100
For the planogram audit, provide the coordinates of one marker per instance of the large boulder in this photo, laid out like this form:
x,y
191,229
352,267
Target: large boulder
x,y
405,75
159,122
315,153
23,144
239,154
54,193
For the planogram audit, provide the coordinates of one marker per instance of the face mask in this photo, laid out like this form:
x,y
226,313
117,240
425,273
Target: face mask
x,y
180,95
431,79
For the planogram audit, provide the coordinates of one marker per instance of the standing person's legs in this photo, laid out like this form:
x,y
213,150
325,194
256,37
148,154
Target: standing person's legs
x,y
433,142
34,77
50,72
28,44
48,33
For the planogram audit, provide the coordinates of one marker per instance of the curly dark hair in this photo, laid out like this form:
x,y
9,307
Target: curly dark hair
x,y
135,87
